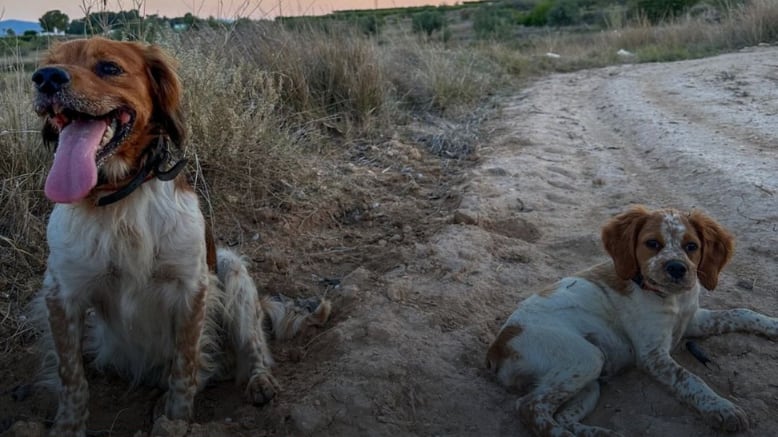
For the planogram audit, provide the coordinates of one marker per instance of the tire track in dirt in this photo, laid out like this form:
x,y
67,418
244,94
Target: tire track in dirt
x,y
576,148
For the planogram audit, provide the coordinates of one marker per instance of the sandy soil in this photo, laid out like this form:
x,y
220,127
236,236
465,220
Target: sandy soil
x,y
404,354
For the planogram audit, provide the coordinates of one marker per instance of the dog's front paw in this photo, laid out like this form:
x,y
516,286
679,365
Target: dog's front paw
x,y
261,388
729,418
59,430
172,407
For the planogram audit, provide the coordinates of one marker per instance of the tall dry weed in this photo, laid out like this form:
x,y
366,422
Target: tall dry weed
x,y
265,103
742,24
22,206
433,77
753,22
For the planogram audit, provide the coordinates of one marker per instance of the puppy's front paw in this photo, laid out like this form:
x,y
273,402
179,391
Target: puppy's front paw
x,y
261,388
729,418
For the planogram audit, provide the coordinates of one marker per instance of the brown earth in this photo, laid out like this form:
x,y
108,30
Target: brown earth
x,y
423,274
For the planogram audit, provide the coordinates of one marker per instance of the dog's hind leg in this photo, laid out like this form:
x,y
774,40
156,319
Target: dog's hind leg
x,y
243,319
576,409
565,374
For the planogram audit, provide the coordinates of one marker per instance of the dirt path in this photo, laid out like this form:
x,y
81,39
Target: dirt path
x,y
405,355
577,148
571,151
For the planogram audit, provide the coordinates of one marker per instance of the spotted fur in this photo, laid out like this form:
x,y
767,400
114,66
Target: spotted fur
x,y
630,311
137,287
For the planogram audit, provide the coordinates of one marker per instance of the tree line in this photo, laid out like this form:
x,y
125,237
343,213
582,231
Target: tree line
x,y
107,21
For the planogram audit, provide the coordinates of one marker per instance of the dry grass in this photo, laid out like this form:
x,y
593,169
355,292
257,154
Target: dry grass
x,y
268,107
742,25
432,77
277,116
270,113
753,23
22,206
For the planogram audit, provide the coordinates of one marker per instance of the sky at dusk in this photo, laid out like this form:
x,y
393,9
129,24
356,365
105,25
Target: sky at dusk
x,y
31,10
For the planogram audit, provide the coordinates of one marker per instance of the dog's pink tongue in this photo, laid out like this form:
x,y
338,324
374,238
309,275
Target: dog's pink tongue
x,y
74,172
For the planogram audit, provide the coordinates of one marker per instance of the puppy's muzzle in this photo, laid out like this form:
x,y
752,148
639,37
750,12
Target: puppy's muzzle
x,y
676,270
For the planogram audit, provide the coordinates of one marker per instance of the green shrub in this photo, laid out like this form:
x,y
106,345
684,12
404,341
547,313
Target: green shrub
x,y
369,24
427,21
538,16
564,13
490,22
659,10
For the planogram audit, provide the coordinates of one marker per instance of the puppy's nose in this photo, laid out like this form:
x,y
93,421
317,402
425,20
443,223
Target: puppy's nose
x,y
49,80
675,269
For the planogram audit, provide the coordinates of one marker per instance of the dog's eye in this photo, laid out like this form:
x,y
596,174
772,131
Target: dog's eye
x,y
691,247
107,68
653,244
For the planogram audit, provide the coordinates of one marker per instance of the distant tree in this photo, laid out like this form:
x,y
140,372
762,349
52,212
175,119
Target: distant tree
x,y
29,35
77,27
54,20
427,21
190,20
214,23
10,32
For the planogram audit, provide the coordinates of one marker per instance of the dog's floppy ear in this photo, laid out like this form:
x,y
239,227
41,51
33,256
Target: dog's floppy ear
x,y
619,236
718,245
166,89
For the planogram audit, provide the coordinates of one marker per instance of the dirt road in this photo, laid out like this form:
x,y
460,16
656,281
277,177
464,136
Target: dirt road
x,y
569,152
577,148
405,355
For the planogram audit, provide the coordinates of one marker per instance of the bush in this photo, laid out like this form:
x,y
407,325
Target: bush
x,y
491,22
369,24
538,16
659,10
427,21
564,13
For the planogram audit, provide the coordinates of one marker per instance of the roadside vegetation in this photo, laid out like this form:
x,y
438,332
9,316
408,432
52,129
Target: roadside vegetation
x,y
308,120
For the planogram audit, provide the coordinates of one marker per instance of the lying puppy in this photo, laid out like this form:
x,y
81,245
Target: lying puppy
x,y
629,311
134,283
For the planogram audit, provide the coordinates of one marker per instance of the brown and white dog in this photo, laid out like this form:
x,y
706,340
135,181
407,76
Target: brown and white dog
x,y
134,283
629,311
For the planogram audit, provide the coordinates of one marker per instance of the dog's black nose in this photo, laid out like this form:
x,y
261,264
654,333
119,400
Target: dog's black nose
x,y
675,269
49,80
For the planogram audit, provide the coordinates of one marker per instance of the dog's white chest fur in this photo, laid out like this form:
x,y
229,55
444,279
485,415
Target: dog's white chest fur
x,y
130,248
130,262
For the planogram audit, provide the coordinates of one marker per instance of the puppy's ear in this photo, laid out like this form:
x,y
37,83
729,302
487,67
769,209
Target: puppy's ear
x,y
619,236
718,245
166,89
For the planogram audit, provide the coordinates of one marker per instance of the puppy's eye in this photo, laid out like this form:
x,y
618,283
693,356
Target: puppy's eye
x,y
108,68
691,247
653,244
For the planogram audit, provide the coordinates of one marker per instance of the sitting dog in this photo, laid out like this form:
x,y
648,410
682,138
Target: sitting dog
x,y
134,283
629,311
